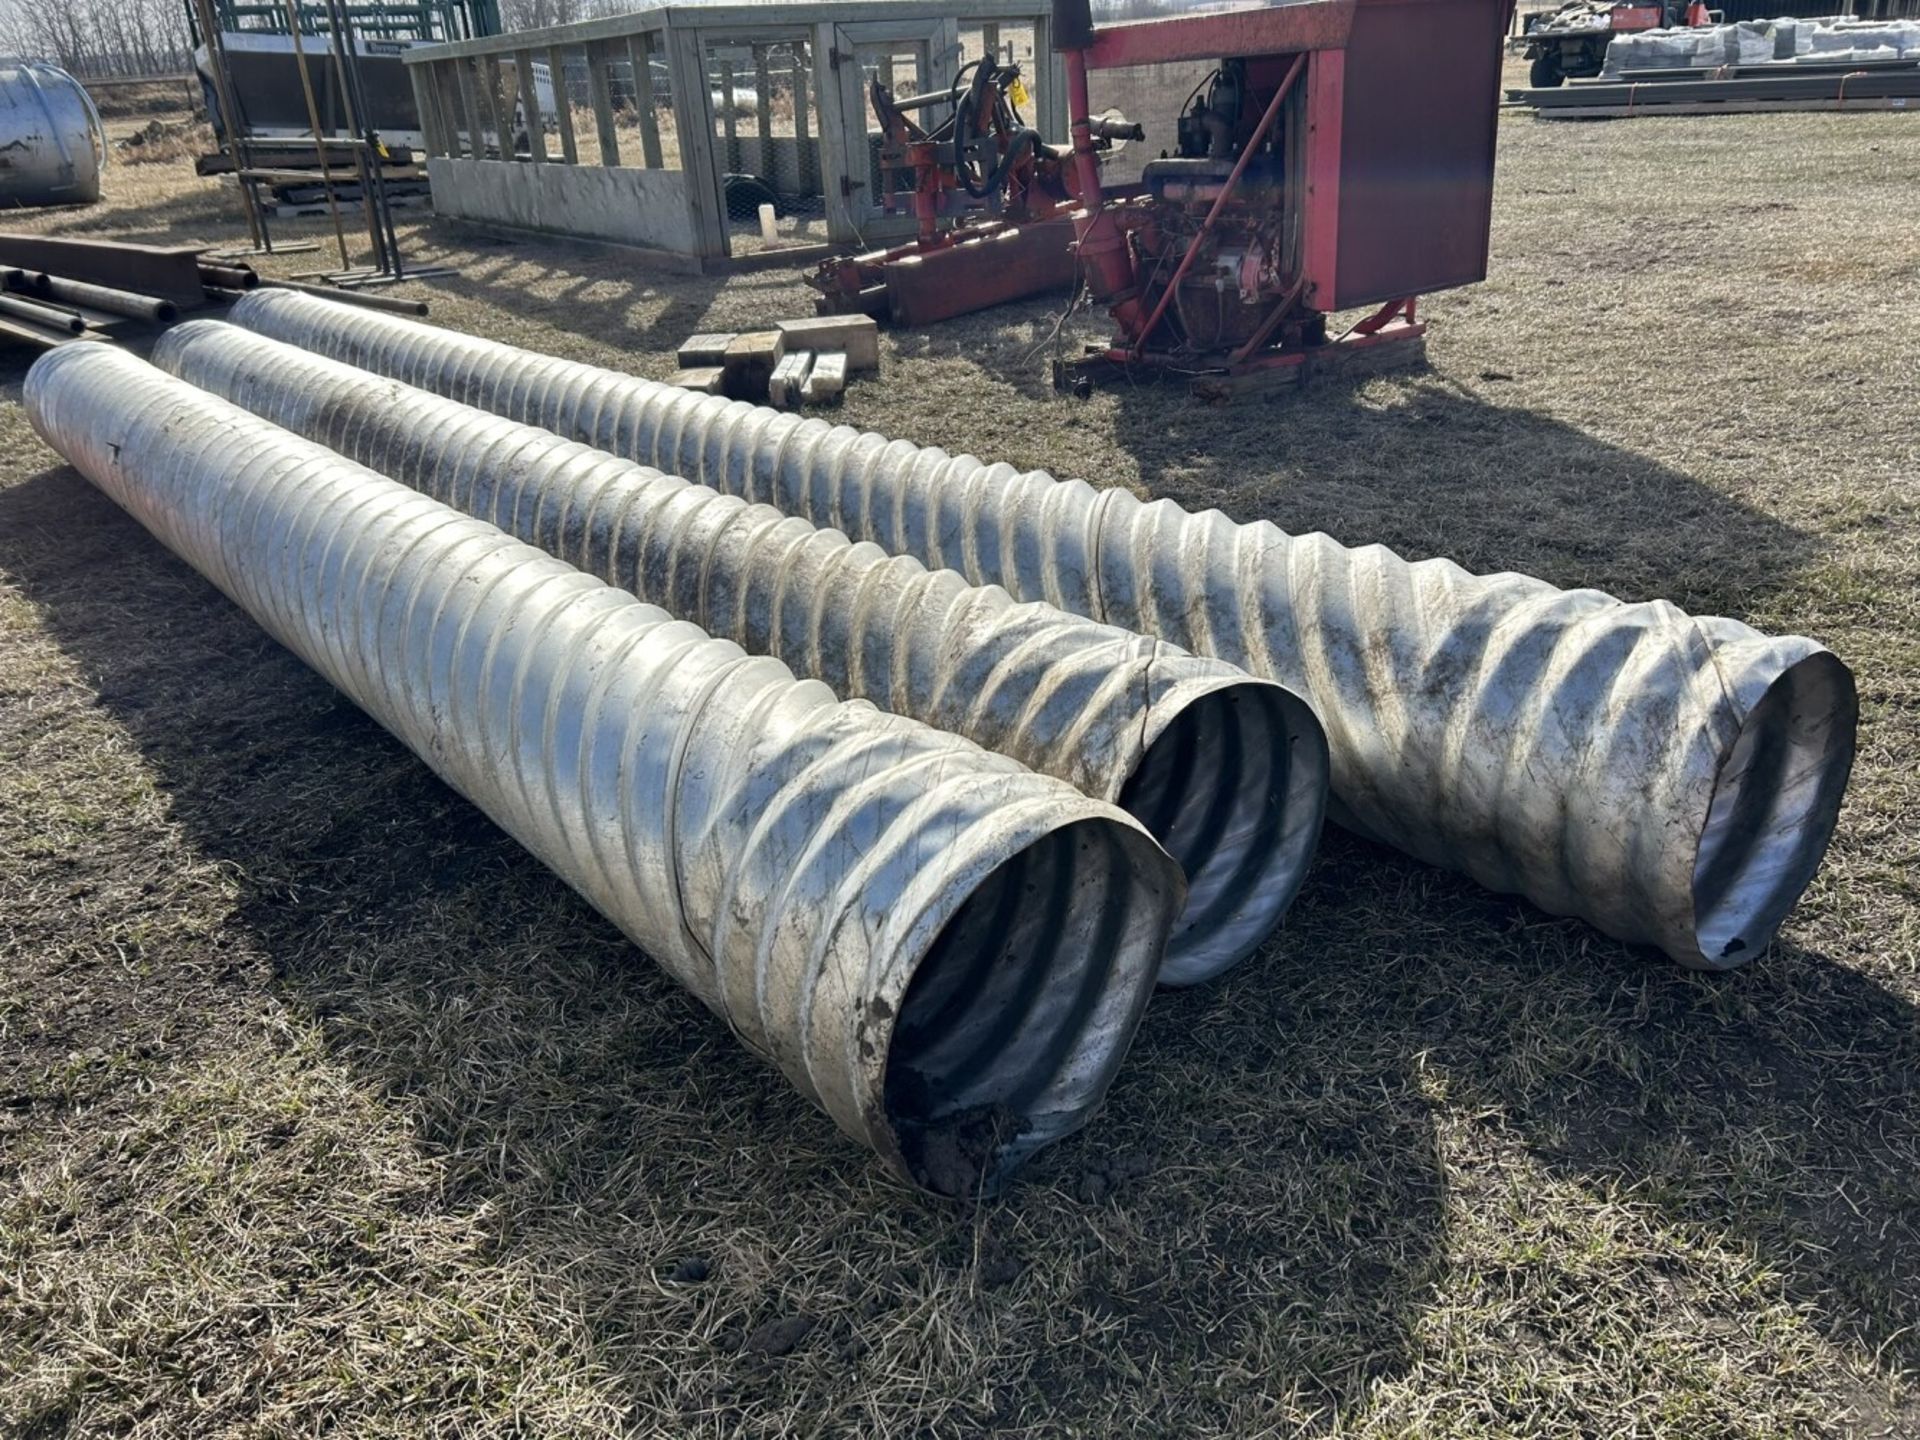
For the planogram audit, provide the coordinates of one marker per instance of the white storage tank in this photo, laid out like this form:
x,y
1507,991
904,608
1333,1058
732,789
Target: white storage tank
x,y
52,146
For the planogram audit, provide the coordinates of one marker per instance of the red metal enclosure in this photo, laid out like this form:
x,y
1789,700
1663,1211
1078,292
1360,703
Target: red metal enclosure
x,y
1339,155
1400,151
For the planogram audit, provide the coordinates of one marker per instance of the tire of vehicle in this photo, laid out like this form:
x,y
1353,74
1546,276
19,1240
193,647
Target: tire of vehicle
x,y
745,194
1546,72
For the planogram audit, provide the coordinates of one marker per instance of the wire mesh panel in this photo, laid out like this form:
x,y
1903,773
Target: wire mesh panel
x,y
766,140
1154,96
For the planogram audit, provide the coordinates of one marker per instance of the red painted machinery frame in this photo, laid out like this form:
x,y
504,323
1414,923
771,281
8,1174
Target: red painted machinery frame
x,y
1391,205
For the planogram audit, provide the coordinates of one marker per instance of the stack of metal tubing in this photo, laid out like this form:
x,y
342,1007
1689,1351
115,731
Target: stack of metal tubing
x,y
122,291
924,804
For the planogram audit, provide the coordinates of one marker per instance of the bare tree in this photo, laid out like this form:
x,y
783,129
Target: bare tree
x,y
536,14
98,37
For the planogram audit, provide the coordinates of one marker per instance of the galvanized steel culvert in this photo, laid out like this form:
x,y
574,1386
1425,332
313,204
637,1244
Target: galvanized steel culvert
x,y
1671,779
1226,771
945,950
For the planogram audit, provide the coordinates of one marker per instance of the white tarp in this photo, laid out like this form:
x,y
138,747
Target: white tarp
x,y
1756,42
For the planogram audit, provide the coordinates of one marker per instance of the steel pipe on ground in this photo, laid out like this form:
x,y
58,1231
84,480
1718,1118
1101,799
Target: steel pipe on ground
x,y
946,951
154,309
1673,780
1229,773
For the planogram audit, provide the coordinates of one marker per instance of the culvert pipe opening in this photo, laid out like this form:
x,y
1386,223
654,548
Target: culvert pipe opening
x,y
1020,1010
1775,803
1234,787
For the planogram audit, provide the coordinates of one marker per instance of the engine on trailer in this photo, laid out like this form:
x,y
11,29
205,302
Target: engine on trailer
x,y
1241,275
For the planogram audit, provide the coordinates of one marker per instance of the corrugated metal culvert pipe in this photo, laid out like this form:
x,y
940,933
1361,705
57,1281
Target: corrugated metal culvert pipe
x,y
1672,780
945,950
1229,773
52,144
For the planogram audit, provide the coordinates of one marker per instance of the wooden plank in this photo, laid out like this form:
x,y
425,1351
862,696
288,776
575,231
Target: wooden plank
x,y
807,167
698,351
843,145
446,89
726,115
736,21
693,117
530,106
640,56
763,106
701,379
826,380
942,58
423,102
784,385
470,111
602,98
562,104
1051,106
489,82
855,336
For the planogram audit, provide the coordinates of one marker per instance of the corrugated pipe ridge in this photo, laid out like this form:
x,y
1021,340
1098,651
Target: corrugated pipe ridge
x,y
1673,780
948,952
1228,772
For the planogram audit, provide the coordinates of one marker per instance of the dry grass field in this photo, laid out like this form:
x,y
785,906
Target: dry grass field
x,y
323,1110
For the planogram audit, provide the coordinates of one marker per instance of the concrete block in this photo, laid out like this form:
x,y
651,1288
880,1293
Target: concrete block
x,y
826,380
698,351
789,377
706,379
857,335
749,363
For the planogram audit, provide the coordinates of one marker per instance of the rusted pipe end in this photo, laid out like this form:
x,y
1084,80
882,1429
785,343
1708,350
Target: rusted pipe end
x,y
1232,782
1774,805
1021,1006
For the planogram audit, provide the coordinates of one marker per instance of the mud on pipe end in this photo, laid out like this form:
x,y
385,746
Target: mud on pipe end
x,y
1775,801
1232,781
1021,1006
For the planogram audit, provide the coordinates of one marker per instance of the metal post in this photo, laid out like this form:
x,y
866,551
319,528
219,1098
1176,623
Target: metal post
x,y
319,132
230,114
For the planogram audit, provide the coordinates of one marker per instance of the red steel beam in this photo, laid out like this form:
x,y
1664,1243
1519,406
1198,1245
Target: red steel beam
x,y
1282,30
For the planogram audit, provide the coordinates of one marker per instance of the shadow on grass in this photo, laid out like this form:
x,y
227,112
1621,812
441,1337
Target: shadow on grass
x,y
1232,1213
1414,459
597,284
1418,462
1256,1220
573,285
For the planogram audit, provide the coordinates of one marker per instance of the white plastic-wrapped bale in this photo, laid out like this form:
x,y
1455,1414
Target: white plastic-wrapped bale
x,y
1856,40
1751,43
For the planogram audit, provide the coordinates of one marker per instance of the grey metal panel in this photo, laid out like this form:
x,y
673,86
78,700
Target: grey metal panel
x,y
622,203
1673,780
946,951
